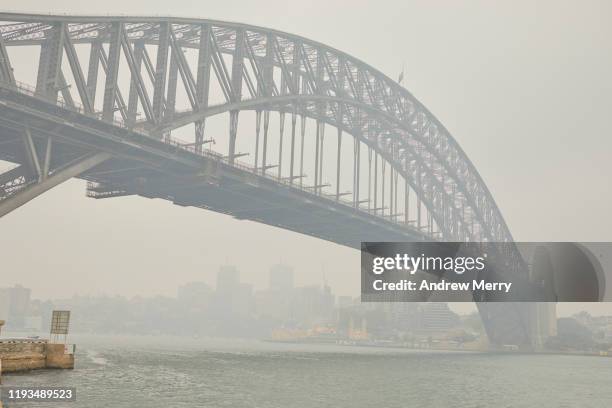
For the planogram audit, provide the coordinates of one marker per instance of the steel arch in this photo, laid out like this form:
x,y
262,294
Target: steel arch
x,y
279,72
308,68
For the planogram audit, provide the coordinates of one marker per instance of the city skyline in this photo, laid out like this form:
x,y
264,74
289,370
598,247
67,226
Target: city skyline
x,y
462,308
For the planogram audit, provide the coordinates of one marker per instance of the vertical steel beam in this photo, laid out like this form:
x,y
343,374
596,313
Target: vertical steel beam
x,y
357,167
375,180
295,78
161,70
50,63
296,68
257,131
320,125
419,204
64,88
264,164
339,119
31,154
92,70
43,58
237,74
112,71
322,153
264,88
391,209
338,157
316,164
118,97
395,195
291,160
302,134
280,144
369,178
203,81
133,95
172,84
47,162
406,201
382,184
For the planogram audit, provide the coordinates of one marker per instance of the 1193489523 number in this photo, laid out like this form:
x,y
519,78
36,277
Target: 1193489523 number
x,y
23,394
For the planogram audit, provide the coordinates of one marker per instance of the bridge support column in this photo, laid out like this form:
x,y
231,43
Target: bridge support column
x,y
48,81
32,191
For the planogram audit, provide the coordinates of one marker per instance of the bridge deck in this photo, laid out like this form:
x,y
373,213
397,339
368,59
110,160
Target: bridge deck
x,y
145,166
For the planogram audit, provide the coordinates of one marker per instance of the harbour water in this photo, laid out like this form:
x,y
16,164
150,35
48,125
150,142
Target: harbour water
x,y
187,373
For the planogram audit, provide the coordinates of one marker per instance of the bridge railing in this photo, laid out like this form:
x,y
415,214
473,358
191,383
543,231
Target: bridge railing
x,y
29,90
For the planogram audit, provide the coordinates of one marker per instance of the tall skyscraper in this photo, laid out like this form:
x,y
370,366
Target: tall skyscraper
x,y
436,316
228,279
281,278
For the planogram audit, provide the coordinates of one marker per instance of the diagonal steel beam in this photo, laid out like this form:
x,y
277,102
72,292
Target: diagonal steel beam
x,y
64,88
59,176
118,97
12,174
32,155
137,87
77,72
6,71
220,70
185,72
150,70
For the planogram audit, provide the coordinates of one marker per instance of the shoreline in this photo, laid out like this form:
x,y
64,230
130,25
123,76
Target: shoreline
x,y
374,344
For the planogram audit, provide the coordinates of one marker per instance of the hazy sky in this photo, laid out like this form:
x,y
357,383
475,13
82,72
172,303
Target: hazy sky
x,y
523,86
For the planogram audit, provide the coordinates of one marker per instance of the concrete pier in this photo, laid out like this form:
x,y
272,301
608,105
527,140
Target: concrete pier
x,y
30,354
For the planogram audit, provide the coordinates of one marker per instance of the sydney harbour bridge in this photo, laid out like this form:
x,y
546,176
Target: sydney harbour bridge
x,y
247,121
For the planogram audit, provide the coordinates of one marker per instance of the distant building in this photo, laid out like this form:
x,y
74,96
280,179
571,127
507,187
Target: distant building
x,y
313,305
345,301
437,317
404,316
228,279
15,306
275,302
195,294
232,298
281,278
5,302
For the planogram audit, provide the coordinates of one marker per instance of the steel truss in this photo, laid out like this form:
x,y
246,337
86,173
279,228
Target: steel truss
x,y
255,69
